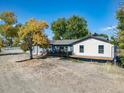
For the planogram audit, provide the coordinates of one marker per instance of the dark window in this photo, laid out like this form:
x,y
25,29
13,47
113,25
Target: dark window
x,y
101,49
81,48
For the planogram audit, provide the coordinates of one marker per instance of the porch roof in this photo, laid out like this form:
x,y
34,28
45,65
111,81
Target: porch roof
x,y
63,42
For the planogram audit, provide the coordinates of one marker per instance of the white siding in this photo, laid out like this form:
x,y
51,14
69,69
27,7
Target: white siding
x,y
91,48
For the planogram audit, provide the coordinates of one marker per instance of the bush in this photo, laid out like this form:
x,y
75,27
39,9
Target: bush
x,y
121,61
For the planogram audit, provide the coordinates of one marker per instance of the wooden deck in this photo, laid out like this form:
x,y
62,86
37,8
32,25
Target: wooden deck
x,y
92,57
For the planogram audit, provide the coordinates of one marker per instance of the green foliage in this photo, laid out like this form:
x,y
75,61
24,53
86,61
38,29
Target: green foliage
x,y
76,28
121,38
16,42
114,41
72,28
16,37
121,61
59,28
120,27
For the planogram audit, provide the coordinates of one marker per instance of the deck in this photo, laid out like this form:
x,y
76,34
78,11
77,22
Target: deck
x,y
92,57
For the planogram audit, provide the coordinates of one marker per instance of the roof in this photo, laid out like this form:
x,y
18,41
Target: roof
x,y
94,37
73,41
63,42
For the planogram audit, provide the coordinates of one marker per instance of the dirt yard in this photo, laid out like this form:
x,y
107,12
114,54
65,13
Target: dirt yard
x,y
55,75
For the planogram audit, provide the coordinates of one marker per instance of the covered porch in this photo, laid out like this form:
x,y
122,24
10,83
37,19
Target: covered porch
x,y
61,47
60,50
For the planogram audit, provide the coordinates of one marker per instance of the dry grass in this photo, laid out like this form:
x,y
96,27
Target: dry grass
x,y
110,68
56,75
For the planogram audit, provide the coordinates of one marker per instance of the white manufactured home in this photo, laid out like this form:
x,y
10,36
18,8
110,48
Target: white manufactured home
x,y
90,47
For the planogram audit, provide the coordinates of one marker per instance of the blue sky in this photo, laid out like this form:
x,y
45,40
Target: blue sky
x,y
100,14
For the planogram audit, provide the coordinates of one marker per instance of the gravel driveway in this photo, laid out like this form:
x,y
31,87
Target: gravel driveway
x,y
55,75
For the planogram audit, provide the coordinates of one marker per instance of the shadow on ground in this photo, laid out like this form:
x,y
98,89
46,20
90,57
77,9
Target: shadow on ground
x,y
5,54
23,60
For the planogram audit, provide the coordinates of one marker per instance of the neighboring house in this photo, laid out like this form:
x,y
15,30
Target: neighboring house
x,y
90,47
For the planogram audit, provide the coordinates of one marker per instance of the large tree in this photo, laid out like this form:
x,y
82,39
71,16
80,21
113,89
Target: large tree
x,y
31,34
59,28
72,28
76,28
7,29
120,27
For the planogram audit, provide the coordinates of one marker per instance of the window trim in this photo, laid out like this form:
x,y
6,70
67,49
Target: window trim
x,y
101,51
81,50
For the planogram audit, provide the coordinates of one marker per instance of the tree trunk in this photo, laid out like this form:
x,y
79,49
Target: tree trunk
x,y
11,42
30,45
37,50
31,56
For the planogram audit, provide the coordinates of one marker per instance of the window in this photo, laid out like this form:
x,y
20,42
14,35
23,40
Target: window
x,y
81,49
101,49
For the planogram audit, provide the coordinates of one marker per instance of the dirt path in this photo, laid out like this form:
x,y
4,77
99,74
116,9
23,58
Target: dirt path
x,y
55,75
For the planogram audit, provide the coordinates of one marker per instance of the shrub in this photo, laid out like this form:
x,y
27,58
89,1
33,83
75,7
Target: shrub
x,y
121,61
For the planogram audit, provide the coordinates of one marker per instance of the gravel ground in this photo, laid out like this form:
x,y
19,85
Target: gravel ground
x,y
55,75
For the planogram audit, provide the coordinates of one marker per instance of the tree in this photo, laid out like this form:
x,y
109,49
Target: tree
x,y
16,37
76,28
72,28
7,29
8,17
31,34
59,28
120,34
120,27
114,41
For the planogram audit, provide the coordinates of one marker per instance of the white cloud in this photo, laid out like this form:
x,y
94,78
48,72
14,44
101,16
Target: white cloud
x,y
109,28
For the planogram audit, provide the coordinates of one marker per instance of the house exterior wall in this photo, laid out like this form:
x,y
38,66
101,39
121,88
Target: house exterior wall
x,y
91,48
